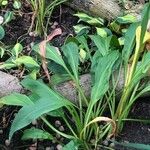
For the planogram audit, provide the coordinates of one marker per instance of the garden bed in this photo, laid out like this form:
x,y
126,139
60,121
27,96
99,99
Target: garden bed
x,y
134,132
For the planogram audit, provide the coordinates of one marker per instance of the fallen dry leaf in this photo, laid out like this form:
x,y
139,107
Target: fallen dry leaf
x,y
42,47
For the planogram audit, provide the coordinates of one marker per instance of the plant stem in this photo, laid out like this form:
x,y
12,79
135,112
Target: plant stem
x,y
128,83
77,85
57,131
67,123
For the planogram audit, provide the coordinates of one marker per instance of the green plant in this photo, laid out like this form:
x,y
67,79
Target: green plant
x,y
89,121
136,37
17,59
44,100
42,11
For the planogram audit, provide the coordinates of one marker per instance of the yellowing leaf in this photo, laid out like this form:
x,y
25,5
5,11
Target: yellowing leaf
x,y
102,119
138,35
147,37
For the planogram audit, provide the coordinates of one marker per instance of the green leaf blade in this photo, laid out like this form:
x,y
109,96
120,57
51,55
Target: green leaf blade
x,y
102,43
16,99
71,52
29,113
51,53
34,133
129,42
47,101
102,75
27,61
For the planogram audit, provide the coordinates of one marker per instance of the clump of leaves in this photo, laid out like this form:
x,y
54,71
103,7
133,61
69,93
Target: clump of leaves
x,y
43,100
16,59
42,11
88,120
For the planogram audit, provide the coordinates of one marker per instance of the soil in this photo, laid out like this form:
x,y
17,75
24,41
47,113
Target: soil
x,y
133,131
137,132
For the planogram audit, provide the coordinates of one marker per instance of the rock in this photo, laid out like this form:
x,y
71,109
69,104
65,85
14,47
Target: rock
x,y
7,142
8,84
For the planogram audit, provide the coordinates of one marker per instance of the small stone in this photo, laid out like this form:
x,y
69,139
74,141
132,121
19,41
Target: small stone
x,y
98,148
112,145
92,141
41,140
52,148
55,24
34,140
1,131
57,123
105,142
61,128
53,141
15,114
62,139
34,122
31,34
59,147
48,148
1,20
7,142
58,136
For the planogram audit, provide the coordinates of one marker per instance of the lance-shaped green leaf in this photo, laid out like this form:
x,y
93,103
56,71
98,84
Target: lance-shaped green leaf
x,y
51,53
39,88
71,52
142,68
102,75
34,133
145,19
129,42
102,44
48,101
16,99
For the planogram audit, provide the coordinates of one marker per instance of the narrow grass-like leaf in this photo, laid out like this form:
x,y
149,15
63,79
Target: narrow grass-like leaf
x,y
34,133
71,52
102,75
145,90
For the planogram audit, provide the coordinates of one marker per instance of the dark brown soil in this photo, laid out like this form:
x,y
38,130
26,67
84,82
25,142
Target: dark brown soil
x,y
136,132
